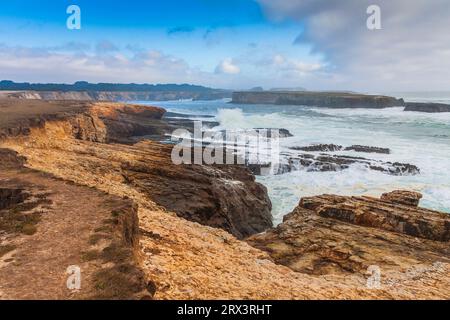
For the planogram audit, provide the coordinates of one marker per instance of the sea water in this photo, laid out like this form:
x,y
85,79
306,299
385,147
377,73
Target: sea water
x,y
420,139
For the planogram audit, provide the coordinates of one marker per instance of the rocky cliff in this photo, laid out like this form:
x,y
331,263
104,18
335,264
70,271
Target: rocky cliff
x,y
184,242
116,95
427,107
316,99
220,196
350,236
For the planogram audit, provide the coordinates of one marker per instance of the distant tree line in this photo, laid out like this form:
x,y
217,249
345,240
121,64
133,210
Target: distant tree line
x,y
7,85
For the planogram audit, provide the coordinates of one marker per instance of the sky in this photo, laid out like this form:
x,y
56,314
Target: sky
x,y
232,44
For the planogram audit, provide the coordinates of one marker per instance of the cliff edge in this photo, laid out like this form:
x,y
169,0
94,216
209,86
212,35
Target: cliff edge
x,y
316,99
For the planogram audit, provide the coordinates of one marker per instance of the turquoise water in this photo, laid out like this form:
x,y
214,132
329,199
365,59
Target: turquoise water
x,y
415,138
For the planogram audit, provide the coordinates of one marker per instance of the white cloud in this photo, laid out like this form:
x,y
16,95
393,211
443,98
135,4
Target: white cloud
x,y
40,64
411,52
284,64
227,66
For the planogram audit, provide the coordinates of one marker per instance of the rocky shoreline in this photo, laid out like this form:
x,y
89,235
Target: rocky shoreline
x,y
316,99
182,232
427,107
294,98
116,96
337,235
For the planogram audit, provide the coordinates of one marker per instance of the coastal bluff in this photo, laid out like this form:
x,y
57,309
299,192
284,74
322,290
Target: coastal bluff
x,y
427,107
76,188
317,99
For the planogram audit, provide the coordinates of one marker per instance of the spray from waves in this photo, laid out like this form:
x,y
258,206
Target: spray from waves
x,y
286,190
395,114
235,119
231,119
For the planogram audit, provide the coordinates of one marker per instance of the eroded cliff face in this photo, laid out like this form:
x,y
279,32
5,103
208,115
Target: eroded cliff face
x,y
116,95
427,107
191,259
317,99
349,236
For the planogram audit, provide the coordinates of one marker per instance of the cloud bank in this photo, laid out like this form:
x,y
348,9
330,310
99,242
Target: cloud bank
x,y
411,52
105,63
227,66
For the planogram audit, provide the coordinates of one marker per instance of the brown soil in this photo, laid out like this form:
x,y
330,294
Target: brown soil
x,y
33,266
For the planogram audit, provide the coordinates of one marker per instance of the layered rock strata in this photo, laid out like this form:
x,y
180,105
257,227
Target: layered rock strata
x,y
352,236
316,99
427,107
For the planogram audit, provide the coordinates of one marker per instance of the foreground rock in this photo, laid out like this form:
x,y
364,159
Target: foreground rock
x,y
329,235
224,197
427,107
316,99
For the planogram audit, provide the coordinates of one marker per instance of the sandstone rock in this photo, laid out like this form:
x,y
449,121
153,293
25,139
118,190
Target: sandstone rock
x,y
390,216
122,122
226,197
408,198
345,235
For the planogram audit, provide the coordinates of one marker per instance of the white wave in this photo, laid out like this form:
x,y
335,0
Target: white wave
x,y
420,139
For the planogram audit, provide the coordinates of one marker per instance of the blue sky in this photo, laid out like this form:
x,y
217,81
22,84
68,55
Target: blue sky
x,y
230,44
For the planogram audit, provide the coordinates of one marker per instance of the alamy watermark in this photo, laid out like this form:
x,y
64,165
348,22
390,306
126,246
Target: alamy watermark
x,y
73,282
244,147
374,20
74,20
374,279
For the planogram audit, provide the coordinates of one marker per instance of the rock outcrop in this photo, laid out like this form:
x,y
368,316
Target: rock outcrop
x,y
408,198
318,147
393,213
316,99
328,163
97,122
368,149
346,235
427,107
224,197
116,96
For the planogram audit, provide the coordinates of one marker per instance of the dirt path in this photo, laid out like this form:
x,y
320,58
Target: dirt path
x,y
69,216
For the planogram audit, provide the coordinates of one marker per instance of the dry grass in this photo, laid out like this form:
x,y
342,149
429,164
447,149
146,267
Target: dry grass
x,y
21,219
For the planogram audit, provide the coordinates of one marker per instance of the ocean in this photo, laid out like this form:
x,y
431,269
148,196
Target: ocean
x,y
420,139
